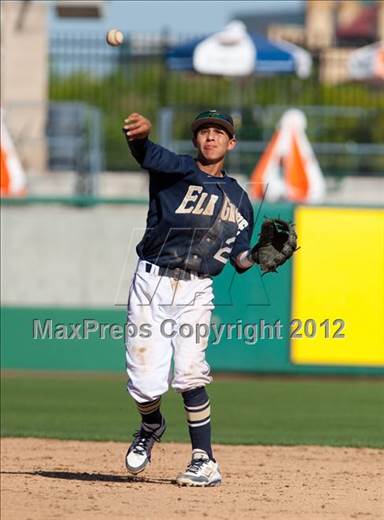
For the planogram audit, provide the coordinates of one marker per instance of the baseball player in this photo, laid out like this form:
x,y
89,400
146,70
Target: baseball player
x,y
198,219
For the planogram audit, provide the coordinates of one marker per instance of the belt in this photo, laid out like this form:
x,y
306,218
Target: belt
x,y
176,272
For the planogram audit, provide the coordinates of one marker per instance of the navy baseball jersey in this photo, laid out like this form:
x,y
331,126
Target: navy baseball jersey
x,y
195,221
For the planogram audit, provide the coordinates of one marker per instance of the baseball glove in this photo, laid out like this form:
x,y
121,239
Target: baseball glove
x,y
277,243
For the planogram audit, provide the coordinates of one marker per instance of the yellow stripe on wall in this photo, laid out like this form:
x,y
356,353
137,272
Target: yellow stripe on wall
x,y
338,274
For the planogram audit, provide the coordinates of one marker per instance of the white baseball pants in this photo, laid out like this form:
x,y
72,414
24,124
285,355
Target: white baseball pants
x,y
167,317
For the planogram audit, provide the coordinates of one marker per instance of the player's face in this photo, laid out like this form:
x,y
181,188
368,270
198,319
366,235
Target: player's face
x,y
213,143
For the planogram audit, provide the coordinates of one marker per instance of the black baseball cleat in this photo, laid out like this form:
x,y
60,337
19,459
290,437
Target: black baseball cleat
x,y
139,452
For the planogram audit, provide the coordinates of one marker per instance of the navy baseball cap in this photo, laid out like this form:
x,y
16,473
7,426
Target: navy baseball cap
x,y
214,117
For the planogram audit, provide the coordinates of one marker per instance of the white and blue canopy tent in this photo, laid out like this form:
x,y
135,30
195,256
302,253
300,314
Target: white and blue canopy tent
x,y
237,53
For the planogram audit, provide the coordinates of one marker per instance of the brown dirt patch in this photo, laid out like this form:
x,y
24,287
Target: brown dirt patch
x,y
50,479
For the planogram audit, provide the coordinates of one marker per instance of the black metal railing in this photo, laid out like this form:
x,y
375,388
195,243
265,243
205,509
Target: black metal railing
x,y
134,77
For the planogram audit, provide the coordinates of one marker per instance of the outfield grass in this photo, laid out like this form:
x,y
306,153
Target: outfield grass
x,y
245,411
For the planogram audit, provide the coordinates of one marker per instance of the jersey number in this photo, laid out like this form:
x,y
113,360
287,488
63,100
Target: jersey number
x,y
224,250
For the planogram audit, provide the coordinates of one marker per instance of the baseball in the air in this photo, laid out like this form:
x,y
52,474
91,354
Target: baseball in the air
x,y
114,37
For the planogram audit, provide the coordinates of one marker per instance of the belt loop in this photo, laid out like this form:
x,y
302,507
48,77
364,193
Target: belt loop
x,y
147,267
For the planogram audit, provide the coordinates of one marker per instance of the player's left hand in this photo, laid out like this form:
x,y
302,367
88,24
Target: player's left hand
x,y
277,243
136,126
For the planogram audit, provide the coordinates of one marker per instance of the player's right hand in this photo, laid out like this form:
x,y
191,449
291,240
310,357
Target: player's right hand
x,y
136,126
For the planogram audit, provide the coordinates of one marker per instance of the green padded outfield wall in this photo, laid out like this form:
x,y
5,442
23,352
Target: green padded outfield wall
x,y
261,306
247,307
243,301
20,351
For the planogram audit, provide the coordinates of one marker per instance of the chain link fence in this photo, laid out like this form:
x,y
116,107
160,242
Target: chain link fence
x,y
345,121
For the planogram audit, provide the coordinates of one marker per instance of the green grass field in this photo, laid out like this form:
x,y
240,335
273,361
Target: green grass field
x,y
245,411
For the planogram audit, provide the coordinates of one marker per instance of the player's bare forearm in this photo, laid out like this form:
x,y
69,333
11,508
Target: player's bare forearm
x,y
136,126
244,260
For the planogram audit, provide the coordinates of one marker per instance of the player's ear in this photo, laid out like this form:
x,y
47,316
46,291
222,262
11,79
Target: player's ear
x,y
194,141
232,144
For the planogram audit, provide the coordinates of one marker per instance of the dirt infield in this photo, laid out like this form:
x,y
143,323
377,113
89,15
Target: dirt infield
x,y
50,479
